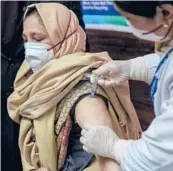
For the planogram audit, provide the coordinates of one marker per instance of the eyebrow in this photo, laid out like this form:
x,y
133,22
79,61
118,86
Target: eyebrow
x,y
37,34
34,34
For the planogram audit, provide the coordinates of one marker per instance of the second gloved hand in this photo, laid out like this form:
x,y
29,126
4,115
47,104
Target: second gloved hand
x,y
99,140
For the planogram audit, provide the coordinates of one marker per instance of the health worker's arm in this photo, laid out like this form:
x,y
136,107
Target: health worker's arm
x,y
143,68
155,148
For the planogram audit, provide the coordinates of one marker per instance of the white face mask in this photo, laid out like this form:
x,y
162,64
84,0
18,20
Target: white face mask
x,y
150,36
37,55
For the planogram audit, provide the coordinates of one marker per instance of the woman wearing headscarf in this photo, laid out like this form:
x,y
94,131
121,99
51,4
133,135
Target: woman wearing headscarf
x,y
12,56
51,99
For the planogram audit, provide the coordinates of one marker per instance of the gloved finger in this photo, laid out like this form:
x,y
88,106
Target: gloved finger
x,y
87,127
84,132
112,82
104,127
82,140
102,77
92,79
102,70
42,169
85,149
101,82
114,71
117,81
107,83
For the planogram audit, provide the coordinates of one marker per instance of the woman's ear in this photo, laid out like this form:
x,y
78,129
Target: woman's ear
x,y
167,14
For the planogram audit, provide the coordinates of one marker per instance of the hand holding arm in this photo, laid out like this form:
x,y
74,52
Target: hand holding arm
x,y
100,140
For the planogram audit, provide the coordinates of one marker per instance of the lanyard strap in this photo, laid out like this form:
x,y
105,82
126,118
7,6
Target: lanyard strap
x,y
154,83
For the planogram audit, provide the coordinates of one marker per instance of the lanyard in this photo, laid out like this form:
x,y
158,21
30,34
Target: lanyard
x,y
154,83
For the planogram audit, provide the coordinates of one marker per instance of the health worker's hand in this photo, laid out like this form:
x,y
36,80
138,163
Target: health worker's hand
x,y
42,169
113,73
99,140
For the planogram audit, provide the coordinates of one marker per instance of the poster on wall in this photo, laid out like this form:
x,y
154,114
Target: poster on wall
x,y
101,15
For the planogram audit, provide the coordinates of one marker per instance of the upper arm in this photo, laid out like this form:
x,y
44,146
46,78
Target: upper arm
x,y
92,111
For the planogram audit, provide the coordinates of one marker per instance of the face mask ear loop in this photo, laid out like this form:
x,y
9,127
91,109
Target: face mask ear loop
x,y
151,31
64,35
62,41
170,28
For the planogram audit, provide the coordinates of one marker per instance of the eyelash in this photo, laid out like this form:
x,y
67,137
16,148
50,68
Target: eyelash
x,y
36,39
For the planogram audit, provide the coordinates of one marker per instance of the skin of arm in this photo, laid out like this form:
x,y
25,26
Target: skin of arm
x,y
94,111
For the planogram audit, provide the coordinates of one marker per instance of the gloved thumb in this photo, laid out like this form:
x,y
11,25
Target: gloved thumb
x,y
87,127
101,70
85,149
42,169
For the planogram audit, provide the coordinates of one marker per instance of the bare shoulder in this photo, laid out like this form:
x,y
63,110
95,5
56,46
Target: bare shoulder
x,y
89,103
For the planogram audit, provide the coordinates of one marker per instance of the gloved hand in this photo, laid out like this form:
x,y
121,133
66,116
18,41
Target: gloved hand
x,y
42,169
112,73
99,140
117,72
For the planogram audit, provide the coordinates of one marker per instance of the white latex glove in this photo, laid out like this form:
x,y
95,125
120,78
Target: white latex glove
x,y
112,73
99,140
117,72
42,169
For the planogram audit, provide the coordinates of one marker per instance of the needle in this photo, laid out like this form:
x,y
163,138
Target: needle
x,y
94,85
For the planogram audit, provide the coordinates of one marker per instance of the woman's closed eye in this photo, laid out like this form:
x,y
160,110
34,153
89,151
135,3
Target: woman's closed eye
x,y
33,37
38,38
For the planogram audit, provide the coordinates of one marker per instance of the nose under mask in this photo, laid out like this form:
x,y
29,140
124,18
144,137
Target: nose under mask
x,y
37,55
150,37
